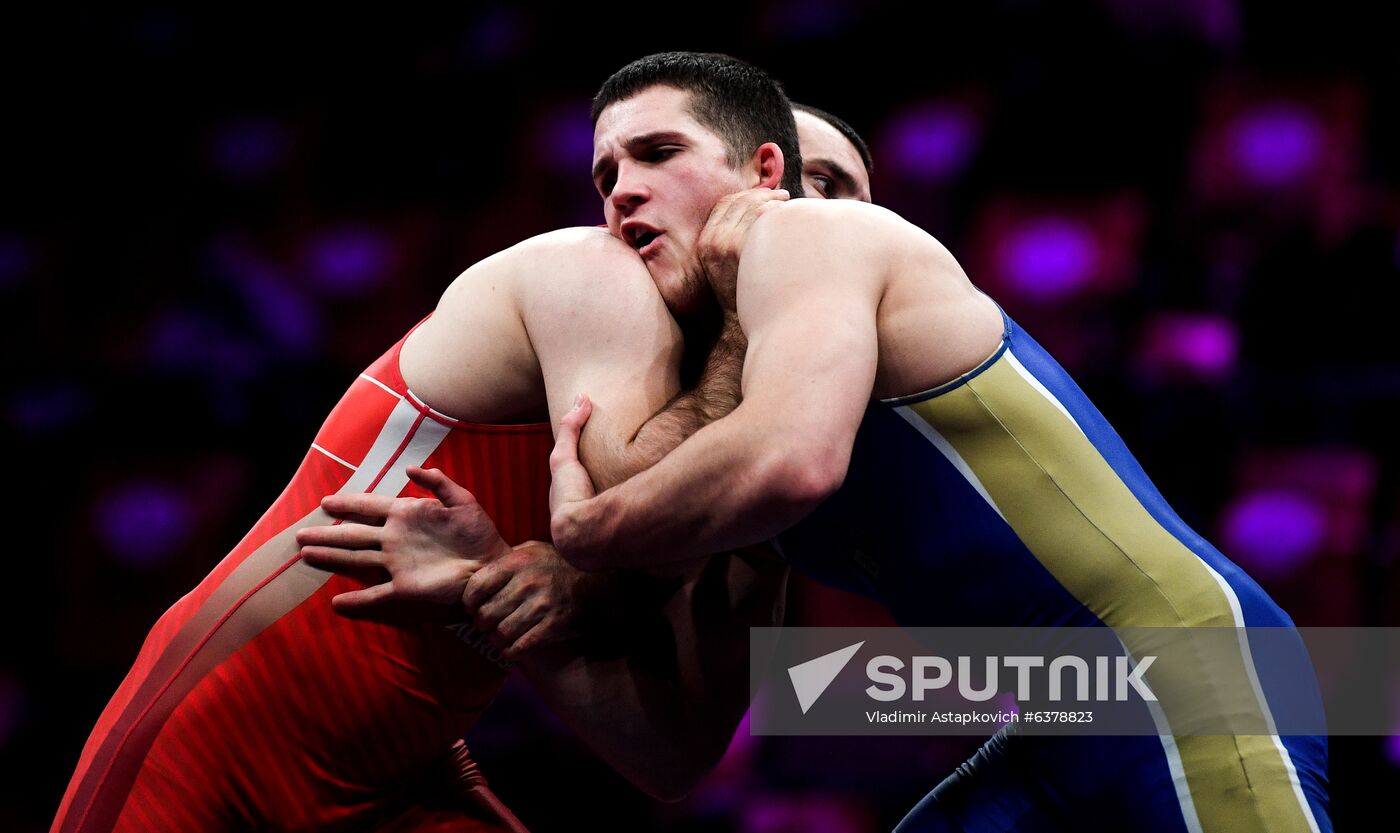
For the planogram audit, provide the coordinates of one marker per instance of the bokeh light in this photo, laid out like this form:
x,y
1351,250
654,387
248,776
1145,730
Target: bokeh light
x,y
1201,347
1049,258
1277,144
349,260
1274,532
929,142
143,523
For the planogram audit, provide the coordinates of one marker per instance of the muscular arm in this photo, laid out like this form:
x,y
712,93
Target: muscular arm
x,y
653,677
599,326
807,377
716,391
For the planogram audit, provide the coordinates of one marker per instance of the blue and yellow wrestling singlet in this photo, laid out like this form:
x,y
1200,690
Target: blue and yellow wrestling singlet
x,y
1004,498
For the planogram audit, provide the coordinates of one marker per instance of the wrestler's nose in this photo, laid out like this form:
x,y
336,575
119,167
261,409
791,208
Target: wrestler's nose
x,y
631,189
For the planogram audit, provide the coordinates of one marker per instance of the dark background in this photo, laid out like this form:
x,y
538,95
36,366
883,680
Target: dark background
x,y
213,220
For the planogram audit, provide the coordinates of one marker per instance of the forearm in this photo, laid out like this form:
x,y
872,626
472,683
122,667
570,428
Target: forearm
x,y
715,393
737,482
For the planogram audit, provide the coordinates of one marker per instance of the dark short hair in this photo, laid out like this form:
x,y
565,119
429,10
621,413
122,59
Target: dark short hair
x,y
844,129
735,99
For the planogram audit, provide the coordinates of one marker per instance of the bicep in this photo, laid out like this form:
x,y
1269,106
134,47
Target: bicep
x,y
604,331
813,342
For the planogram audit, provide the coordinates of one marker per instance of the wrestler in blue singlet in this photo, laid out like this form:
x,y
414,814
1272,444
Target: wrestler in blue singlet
x,y
1004,498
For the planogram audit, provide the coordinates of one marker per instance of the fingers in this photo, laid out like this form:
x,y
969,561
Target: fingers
x,y
570,427
515,625
364,520
737,206
775,198
723,236
359,600
563,460
491,613
442,487
334,557
343,536
547,631
721,221
575,419
363,504
484,584
747,210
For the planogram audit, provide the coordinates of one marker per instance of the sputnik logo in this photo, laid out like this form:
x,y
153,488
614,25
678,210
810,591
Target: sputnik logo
x,y
811,678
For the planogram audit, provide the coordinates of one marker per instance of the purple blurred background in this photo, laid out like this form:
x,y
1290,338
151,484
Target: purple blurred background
x,y
214,220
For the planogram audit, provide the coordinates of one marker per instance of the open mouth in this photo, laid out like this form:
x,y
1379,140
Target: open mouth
x,y
641,237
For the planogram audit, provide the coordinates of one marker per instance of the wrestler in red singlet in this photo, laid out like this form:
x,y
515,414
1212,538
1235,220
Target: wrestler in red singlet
x,y
253,705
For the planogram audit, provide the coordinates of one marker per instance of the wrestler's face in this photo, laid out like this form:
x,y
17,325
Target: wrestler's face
x,y
831,166
660,172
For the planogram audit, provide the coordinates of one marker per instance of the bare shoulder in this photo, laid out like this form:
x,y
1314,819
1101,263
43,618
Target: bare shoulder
x,y
578,241
575,254
555,268
565,252
836,225
856,232
799,245
576,267
580,279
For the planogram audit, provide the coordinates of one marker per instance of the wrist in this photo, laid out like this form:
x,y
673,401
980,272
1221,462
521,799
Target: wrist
x,y
569,529
498,549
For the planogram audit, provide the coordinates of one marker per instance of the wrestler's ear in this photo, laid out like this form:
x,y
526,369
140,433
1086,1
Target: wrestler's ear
x,y
767,165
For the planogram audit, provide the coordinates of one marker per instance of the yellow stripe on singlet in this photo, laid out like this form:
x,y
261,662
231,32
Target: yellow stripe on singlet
x,y
1077,517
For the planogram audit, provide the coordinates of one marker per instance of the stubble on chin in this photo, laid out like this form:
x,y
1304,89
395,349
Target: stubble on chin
x,y
689,292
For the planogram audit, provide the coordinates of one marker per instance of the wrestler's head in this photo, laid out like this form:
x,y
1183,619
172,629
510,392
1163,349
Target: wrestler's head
x,y
672,134
836,163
